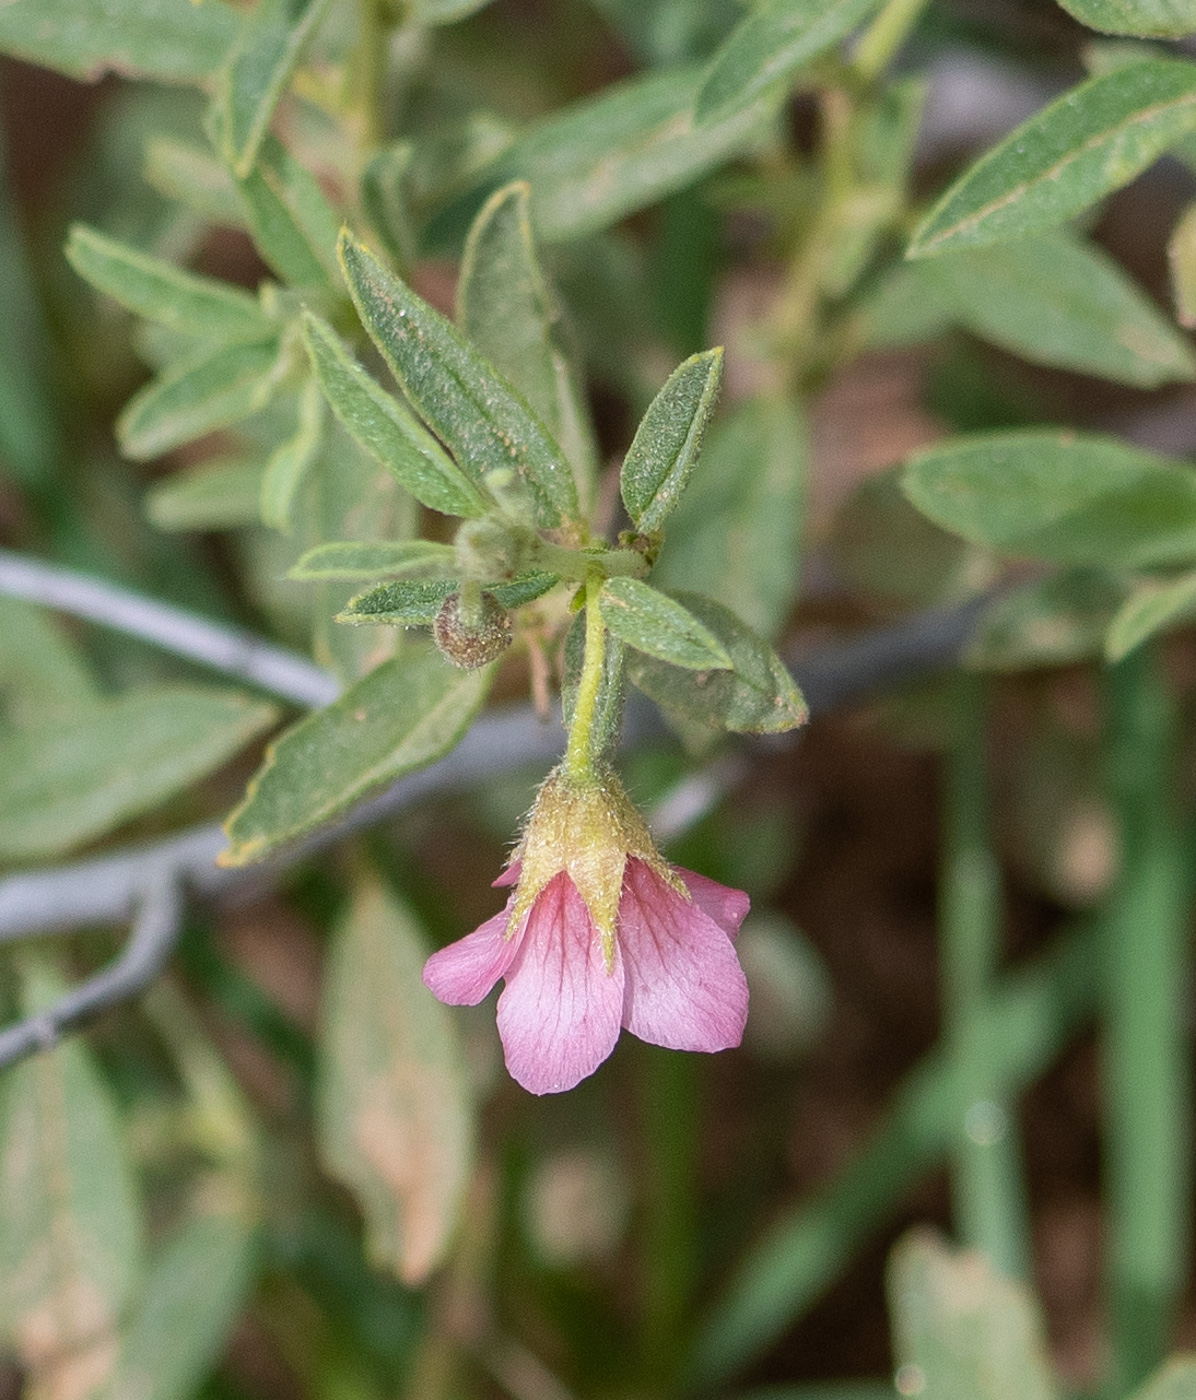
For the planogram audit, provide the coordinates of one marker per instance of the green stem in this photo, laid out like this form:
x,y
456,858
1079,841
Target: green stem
x,y
579,754
990,1205
1147,1079
579,564
884,36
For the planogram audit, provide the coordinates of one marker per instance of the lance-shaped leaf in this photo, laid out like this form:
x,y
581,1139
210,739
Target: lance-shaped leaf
x,y
1151,607
1144,19
71,780
387,431
167,41
650,621
70,1226
1059,496
506,307
394,1117
41,669
757,697
668,440
191,175
194,1291
1057,301
290,460
485,422
1181,260
161,292
216,389
1094,139
415,602
442,11
400,716
292,223
215,495
1174,1380
963,1329
261,62
365,559
1052,621
772,42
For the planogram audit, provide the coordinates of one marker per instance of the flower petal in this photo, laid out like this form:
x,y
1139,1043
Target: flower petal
x,y
727,907
464,972
510,876
559,1014
685,988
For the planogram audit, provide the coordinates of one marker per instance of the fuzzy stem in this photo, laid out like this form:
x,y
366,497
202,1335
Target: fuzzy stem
x,y
884,36
579,755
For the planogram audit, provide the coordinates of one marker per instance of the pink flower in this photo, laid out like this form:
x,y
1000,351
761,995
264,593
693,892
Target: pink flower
x,y
599,934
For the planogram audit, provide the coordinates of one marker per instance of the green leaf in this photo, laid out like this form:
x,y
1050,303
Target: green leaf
x,y
167,41
366,559
386,430
195,1290
962,1328
290,460
902,308
1151,607
483,420
415,602
770,44
259,67
1051,621
737,534
442,11
1175,1380
161,292
214,390
757,697
385,200
1094,139
668,440
292,223
76,778
41,670
648,620
190,175
1181,260
1057,301
402,715
1158,19
393,1111
505,306
1059,496
215,495
607,156
70,1226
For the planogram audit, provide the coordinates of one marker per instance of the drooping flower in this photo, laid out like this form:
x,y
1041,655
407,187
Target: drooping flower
x,y
600,933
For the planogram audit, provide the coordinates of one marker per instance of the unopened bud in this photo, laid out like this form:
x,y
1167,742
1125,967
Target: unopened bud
x,y
472,641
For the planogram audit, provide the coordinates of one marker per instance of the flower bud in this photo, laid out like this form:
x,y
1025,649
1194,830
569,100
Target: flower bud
x,y
472,641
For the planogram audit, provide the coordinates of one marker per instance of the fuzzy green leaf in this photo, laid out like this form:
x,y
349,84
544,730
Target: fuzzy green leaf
x,y
161,292
485,422
292,223
771,43
757,697
400,716
1052,621
385,200
650,621
167,41
262,60
668,440
70,1226
42,670
393,1110
1151,607
1181,260
1144,19
737,534
290,460
69,781
365,559
505,306
1057,301
1059,496
387,431
215,495
962,1328
415,602
1092,140
216,389
191,175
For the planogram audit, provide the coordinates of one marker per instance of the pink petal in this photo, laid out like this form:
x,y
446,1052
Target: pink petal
x,y
510,876
685,988
727,907
559,1014
463,973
